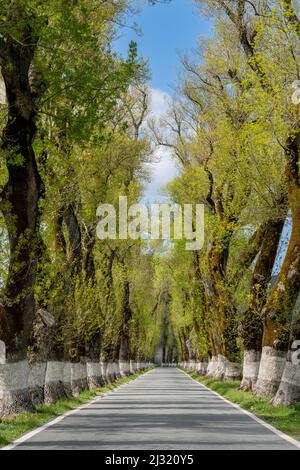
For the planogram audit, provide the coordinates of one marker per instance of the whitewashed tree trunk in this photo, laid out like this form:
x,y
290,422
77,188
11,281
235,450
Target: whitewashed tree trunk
x,y
289,388
36,380
103,366
216,367
94,375
233,371
14,388
250,369
67,379
270,372
131,366
109,372
78,377
202,369
116,370
124,367
54,381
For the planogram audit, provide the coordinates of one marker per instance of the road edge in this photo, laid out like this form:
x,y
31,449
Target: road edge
x,y
56,420
279,433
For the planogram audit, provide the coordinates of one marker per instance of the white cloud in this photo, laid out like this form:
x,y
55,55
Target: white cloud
x,y
164,170
159,102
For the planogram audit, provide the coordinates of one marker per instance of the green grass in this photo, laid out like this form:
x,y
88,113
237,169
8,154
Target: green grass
x,y
11,429
284,418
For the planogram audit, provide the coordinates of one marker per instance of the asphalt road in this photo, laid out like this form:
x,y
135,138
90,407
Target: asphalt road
x,y
162,410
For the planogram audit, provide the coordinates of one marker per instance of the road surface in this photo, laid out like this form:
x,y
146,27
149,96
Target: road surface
x,y
161,410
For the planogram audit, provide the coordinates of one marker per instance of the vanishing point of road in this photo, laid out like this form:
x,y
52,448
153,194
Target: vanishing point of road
x,y
163,409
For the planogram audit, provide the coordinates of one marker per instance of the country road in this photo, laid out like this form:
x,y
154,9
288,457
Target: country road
x,y
163,409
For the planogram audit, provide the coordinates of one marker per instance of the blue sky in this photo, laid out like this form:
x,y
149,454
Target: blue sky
x,y
167,32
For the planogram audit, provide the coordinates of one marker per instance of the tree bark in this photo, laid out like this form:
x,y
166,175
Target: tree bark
x,y
200,323
126,315
277,313
60,242
89,262
225,337
20,196
75,239
278,309
19,201
251,329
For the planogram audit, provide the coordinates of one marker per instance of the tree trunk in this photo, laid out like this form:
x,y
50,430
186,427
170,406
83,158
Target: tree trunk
x,y
108,331
277,313
125,319
199,297
183,346
75,239
20,196
251,329
89,263
19,204
224,325
59,241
